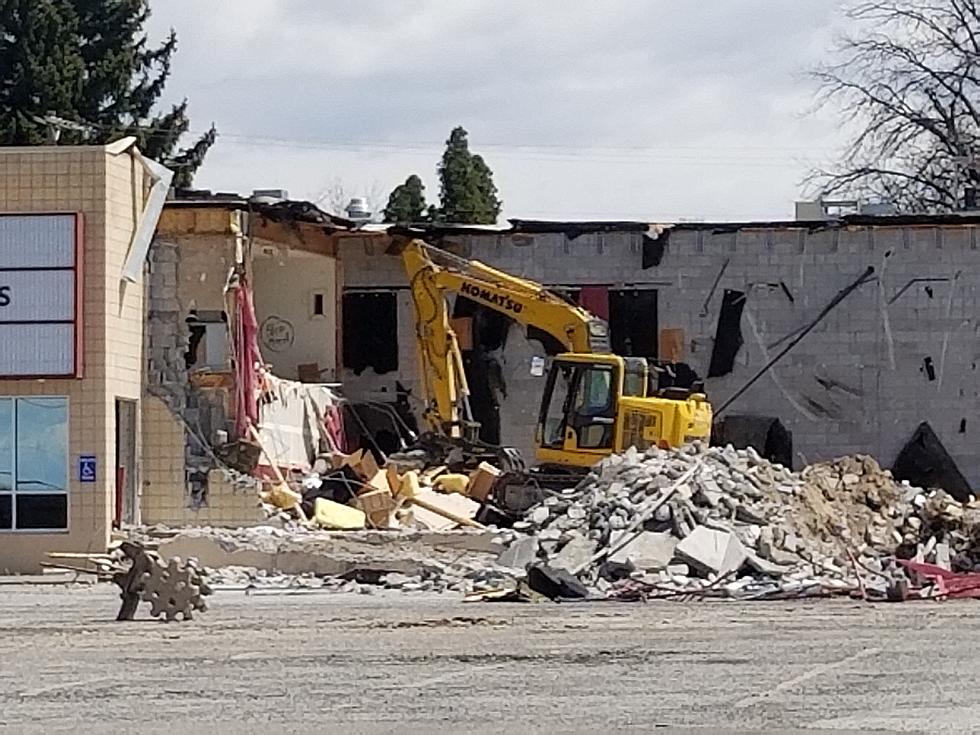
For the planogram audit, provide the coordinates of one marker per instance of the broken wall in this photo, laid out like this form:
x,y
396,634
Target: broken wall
x,y
900,350
296,307
186,405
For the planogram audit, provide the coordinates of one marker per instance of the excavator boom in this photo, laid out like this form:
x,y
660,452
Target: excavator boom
x,y
595,402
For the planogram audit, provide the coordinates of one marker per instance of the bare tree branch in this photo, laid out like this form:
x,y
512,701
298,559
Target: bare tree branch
x,y
908,80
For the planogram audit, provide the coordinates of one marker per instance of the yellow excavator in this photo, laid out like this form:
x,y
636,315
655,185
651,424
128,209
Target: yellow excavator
x,y
595,403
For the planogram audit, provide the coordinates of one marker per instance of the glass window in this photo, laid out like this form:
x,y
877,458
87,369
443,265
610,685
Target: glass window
x,y
595,392
559,384
6,447
33,463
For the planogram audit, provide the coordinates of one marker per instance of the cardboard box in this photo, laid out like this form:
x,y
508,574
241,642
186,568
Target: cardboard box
x,y
378,482
377,506
366,467
482,480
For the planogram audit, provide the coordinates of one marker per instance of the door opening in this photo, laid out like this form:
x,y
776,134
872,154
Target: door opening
x,y
127,502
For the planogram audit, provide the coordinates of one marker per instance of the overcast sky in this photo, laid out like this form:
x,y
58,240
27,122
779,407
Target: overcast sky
x,y
620,109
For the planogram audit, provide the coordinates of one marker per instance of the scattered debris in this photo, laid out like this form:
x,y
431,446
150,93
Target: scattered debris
x,y
678,524
725,522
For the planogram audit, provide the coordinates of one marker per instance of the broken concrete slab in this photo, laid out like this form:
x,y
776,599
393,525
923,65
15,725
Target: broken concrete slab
x,y
764,566
711,551
649,551
576,553
520,553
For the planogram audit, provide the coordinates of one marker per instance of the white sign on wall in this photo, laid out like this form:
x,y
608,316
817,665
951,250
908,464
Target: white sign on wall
x,y
39,319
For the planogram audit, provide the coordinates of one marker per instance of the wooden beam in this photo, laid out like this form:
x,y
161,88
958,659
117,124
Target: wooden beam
x,y
303,236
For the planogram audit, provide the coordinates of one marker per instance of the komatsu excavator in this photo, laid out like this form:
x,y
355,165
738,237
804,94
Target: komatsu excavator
x,y
595,403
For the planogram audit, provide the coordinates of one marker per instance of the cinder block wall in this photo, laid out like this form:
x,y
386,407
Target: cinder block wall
x,y
857,383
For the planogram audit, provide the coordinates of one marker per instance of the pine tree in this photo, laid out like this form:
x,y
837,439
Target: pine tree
x,y
88,61
407,202
467,193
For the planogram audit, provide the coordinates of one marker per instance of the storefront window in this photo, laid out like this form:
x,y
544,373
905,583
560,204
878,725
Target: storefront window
x,y
33,463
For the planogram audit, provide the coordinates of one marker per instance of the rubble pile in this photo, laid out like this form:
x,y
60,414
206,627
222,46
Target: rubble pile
x,y
730,522
352,492
657,523
297,558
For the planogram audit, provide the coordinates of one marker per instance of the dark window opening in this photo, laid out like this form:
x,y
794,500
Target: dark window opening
x,y
484,373
36,512
489,327
6,512
370,331
728,335
318,304
633,322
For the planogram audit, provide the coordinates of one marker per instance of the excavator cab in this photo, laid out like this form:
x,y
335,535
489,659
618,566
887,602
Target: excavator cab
x,y
595,405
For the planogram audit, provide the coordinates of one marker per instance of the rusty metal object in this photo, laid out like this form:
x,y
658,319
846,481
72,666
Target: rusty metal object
x,y
174,589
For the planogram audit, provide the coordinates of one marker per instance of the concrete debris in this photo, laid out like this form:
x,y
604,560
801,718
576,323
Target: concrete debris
x,y
711,551
648,551
296,558
577,552
681,523
724,522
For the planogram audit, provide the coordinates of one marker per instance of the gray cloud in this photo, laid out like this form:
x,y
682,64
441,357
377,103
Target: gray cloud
x,y
713,86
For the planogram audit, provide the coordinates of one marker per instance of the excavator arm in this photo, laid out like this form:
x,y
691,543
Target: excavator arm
x,y
433,275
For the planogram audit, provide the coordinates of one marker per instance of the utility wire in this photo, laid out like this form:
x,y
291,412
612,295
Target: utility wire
x,y
718,154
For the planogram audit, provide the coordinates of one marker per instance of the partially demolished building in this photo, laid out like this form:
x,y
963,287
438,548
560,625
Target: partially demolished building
x,y
899,351
260,311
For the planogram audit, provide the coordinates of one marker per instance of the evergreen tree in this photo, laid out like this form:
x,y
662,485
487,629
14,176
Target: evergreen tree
x,y
89,62
407,202
467,193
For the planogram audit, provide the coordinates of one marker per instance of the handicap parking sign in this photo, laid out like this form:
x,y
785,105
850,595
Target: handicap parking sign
x,y
86,468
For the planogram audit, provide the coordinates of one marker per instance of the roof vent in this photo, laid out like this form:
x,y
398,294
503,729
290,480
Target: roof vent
x,y
358,210
274,194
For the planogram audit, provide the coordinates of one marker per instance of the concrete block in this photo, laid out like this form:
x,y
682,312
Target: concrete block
x,y
520,553
574,554
712,551
648,552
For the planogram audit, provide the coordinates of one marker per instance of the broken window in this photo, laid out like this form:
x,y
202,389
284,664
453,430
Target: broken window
x,y
633,322
728,335
370,331
207,347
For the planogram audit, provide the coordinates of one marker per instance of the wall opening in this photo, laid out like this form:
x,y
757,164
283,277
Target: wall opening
x,y
481,363
207,346
633,325
370,331
318,306
728,335
127,510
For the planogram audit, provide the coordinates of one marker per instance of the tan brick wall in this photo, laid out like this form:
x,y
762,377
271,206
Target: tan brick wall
x,y
164,482
86,180
164,497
